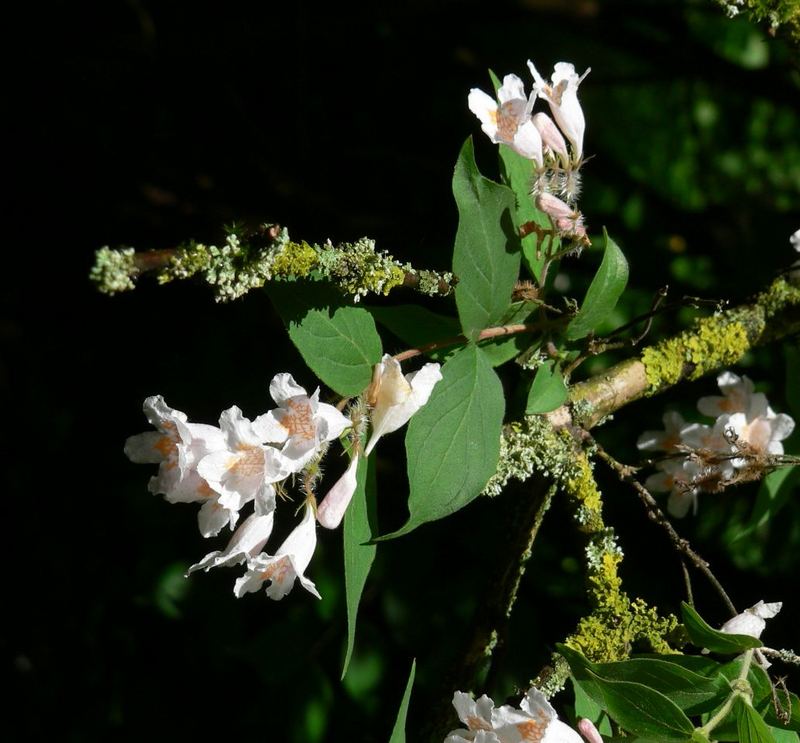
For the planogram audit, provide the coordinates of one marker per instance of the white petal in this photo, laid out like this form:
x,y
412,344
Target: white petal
x,y
485,108
766,611
537,706
151,447
540,83
248,539
745,623
159,413
528,143
333,506
269,429
680,502
334,423
795,240
560,732
212,517
238,430
511,89
283,388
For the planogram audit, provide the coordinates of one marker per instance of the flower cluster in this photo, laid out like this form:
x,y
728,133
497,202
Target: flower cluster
x,y
244,461
743,442
541,138
535,721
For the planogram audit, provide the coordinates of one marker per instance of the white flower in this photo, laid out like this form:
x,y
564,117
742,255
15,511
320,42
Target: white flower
x,y
178,447
288,563
331,510
300,423
738,396
562,96
747,416
247,540
752,621
246,469
535,721
398,397
510,122
666,440
795,240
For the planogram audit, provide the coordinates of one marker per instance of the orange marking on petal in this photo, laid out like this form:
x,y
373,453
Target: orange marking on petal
x,y
299,420
204,490
277,571
507,121
477,723
248,463
165,446
532,731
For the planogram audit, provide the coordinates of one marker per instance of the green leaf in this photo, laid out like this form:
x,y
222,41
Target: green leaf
x,y
399,731
586,707
417,326
502,349
773,494
518,173
360,526
699,664
750,726
453,442
605,290
486,254
690,691
548,389
338,342
782,735
703,636
642,711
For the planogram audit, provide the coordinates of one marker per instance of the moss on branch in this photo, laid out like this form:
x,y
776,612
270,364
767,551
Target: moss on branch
x,y
249,260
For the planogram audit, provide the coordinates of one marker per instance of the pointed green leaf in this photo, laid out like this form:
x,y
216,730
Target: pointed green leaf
x,y
548,389
486,255
782,735
453,442
638,709
750,726
690,691
704,636
605,290
338,342
586,707
360,526
773,494
399,730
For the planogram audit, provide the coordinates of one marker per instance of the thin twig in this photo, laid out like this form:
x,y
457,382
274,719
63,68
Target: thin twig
x,y
485,334
625,474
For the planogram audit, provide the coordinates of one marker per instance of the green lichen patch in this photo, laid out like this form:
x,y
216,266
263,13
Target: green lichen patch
x,y
713,343
113,270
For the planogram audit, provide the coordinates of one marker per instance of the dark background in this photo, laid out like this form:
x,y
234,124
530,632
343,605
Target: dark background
x,y
144,123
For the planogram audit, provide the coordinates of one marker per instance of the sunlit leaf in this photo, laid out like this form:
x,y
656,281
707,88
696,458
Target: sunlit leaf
x,y
399,730
339,343
750,726
487,252
360,526
605,290
548,389
704,636
453,442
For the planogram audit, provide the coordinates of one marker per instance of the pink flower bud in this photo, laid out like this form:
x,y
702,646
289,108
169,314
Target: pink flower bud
x,y
551,136
589,731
